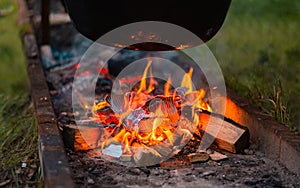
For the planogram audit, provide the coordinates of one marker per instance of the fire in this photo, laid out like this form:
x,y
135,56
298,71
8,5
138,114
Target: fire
x,y
146,119
187,81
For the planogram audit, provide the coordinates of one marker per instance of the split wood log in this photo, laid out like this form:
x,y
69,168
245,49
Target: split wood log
x,y
75,137
230,137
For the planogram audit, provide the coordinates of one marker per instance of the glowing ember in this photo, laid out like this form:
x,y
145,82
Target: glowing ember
x,y
145,119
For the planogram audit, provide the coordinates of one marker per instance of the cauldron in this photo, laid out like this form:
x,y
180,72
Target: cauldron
x,y
94,18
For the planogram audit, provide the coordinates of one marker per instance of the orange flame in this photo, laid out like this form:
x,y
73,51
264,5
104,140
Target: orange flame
x,y
146,119
168,87
187,80
143,85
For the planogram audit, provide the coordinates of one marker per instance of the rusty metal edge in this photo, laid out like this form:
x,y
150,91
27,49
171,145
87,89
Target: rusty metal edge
x,y
54,163
271,137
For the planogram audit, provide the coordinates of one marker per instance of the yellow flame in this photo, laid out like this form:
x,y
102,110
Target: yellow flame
x,y
166,116
152,82
168,87
187,80
143,85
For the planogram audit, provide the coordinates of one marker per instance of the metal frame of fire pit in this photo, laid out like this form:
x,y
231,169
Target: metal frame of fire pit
x,y
54,164
272,138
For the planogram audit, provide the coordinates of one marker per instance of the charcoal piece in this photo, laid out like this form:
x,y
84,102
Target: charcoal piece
x,y
68,137
198,157
103,86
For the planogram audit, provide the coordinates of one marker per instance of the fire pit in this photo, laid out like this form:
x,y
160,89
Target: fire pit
x,y
154,124
153,107
146,114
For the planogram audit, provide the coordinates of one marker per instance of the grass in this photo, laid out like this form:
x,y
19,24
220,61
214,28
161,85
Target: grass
x,y
19,166
258,49
12,66
18,142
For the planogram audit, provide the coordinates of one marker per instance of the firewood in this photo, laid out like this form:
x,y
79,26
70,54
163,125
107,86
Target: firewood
x,y
81,138
198,157
231,136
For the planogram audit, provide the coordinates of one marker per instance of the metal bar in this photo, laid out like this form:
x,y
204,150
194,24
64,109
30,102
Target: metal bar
x,y
45,25
53,160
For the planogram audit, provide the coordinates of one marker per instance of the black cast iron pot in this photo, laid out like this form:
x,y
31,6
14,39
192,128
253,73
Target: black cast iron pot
x,y
94,18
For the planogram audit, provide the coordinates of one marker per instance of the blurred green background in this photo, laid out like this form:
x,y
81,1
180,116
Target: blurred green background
x,y
12,68
18,134
258,49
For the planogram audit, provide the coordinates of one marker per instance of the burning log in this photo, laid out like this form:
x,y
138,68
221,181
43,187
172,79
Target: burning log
x,y
149,126
74,140
231,137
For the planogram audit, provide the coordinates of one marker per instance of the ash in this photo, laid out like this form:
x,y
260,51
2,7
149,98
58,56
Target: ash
x,y
239,170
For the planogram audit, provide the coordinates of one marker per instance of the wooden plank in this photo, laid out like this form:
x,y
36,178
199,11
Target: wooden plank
x,y
231,136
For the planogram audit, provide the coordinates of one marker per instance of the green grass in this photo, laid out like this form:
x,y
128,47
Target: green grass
x,y
12,67
18,142
18,134
258,49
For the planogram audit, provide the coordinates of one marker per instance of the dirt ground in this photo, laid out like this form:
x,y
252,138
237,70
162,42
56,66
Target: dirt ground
x,y
237,171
